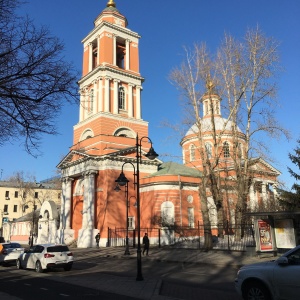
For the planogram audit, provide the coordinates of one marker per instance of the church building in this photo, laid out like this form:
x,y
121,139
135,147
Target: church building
x,y
108,137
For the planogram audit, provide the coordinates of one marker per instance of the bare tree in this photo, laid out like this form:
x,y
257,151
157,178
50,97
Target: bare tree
x,y
35,79
243,75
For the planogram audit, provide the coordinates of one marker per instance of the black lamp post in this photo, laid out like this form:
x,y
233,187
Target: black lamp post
x,y
117,189
122,180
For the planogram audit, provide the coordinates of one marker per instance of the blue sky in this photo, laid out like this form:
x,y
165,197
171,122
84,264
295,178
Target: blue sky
x,y
165,27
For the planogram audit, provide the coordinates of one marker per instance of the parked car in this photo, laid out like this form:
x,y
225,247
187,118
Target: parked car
x,y
10,253
273,280
46,256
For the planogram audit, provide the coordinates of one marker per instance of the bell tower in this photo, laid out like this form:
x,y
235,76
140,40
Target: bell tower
x,y
110,87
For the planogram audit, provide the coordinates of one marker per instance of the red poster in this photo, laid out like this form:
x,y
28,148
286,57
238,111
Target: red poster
x,y
265,238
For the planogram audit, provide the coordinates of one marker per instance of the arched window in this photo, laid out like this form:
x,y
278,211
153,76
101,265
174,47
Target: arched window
x,y
87,134
191,218
192,153
121,98
208,149
226,152
125,132
167,213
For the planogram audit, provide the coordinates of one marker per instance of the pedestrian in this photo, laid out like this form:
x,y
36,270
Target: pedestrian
x,y
146,243
97,238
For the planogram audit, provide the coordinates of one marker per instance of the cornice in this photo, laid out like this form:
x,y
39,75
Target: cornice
x,y
112,69
111,116
111,26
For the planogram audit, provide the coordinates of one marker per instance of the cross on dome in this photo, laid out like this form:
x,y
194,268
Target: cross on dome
x,y
111,3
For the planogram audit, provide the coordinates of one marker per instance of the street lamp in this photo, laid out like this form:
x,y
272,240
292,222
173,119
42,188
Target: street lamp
x,y
117,189
122,180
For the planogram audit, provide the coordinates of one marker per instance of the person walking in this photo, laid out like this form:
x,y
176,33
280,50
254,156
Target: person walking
x,y
146,244
97,238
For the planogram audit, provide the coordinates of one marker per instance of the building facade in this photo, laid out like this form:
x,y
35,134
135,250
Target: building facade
x,y
20,199
105,142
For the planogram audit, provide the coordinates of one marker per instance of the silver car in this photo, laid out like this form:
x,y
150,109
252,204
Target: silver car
x,y
10,253
273,280
46,256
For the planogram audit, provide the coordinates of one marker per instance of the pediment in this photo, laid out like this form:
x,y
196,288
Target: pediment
x,y
73,155
260,165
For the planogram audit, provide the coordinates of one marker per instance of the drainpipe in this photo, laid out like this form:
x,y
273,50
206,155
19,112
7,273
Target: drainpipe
x,y
180,199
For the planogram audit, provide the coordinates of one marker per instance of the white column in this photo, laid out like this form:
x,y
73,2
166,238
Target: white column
x,y
116,97
91,200
88,212
107,91
252,197
94,95
127,54
65,215
275,192
138,101
100,94
81,105
264,192
98,50
130,101
90,57
115,50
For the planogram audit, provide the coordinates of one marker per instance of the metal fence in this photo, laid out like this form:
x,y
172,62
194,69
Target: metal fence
x,y
223,237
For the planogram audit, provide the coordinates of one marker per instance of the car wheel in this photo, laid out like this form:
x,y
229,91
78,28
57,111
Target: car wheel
x,y
38,267
18,264
256,291
68,268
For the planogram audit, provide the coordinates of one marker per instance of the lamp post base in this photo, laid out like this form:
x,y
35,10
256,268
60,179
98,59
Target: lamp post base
x,y
139,276
127,247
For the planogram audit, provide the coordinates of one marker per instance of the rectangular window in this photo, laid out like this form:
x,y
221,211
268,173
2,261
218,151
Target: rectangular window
x,y
24,194
5,208
36,195
58,195
15,208
16,194
191,217
131,222
7,195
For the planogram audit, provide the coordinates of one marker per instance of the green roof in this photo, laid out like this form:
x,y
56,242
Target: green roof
x,y
172,168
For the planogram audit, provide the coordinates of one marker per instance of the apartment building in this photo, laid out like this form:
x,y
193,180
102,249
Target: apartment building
x,y
18,199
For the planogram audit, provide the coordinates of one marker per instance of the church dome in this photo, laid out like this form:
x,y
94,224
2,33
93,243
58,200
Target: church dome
x,y
207,125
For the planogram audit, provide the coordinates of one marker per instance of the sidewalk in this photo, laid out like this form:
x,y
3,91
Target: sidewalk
x,y
149,288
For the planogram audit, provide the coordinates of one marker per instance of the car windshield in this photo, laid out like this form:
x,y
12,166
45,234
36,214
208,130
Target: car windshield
x,y
58,249
15,245
12,245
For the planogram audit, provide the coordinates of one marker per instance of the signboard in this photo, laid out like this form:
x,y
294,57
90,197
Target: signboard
x,y
284,233
265,236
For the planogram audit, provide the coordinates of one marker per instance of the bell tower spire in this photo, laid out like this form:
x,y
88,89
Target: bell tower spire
x,y
111,83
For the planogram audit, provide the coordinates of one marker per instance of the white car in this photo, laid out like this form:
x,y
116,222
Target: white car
x,y
10,252
273,280
46,256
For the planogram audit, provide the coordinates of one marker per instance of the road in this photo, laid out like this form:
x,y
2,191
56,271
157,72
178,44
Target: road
x,y
181,281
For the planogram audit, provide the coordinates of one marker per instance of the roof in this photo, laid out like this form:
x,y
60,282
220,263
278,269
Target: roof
x,y
206,125
172,168
29,216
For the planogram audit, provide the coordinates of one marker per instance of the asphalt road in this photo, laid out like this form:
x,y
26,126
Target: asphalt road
x,y
181,281
43,289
